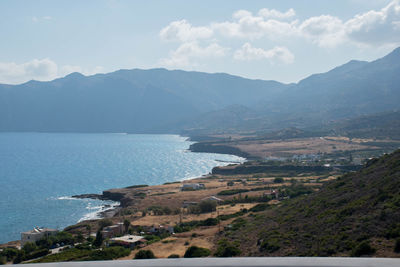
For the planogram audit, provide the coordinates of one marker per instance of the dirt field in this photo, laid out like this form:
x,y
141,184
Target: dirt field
x,y
276,148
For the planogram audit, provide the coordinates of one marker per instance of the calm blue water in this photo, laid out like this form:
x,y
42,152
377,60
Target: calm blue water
x,y
39,171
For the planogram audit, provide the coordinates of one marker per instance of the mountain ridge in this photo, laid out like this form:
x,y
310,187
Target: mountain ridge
x,y
172,101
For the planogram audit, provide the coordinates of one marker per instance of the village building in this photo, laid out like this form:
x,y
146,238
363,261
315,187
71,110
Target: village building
x,y
160,229
187,204
189,187
273,193
212,198
36,234
113,230
128,241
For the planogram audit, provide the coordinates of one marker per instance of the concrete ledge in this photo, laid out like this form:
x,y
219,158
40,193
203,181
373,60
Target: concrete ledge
x,y
248,262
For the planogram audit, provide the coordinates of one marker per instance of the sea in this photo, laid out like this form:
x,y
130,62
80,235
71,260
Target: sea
x,y
39,172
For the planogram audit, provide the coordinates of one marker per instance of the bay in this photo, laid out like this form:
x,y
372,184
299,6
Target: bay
x,y
40,171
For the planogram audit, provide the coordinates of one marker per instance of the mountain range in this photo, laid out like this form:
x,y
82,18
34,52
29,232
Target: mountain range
x,y
175,101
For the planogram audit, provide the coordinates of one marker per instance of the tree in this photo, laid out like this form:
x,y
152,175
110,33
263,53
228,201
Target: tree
x,y
89,229
104,223
145,254
207,206
99,239
127,223
80,238
29,247
197,252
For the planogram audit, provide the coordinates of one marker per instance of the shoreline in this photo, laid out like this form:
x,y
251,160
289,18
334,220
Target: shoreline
x,y
122,202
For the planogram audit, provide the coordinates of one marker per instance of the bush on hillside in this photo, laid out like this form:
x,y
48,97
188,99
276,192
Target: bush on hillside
x,y
363,249
144,254
197,252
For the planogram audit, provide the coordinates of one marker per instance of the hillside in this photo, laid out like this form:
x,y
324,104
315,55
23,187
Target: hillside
x,y
380,126
163,101
357,214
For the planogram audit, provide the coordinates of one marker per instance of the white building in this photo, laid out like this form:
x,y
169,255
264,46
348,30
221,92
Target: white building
x,y
212,198
36,234
129,241
192,187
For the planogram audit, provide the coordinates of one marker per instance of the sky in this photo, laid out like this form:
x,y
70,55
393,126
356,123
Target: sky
x,y
270,40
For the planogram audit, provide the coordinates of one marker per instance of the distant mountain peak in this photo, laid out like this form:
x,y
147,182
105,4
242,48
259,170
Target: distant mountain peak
x,y
75,75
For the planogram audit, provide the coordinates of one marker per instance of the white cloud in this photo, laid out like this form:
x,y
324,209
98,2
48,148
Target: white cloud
x,y
275,55
40,70
241,14
183,31
373,28
275,14
376,27
325,30
249,26
37,19
191,53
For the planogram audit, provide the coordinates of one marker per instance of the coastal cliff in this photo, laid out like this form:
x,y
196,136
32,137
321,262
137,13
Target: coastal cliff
x,y
210,147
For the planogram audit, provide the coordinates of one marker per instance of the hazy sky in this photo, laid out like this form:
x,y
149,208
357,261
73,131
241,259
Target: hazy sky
x,y
273,40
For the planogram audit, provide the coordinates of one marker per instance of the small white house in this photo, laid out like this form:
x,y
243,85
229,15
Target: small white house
x,y
162,229
192,187
212,198
36,234
129,241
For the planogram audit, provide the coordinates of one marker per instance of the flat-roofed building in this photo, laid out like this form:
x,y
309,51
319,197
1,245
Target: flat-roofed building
x,y
129,241
113,230
36,234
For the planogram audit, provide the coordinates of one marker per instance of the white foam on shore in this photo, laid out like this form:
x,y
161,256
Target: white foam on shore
x,y
98,210
95,211
67,198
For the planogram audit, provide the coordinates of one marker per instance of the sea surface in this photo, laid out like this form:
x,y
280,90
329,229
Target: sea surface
x,y
39,172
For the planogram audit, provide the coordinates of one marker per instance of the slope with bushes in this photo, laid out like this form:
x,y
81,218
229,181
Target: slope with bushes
x,y
355,215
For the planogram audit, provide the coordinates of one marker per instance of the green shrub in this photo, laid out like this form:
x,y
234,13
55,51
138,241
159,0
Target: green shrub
x,y
36,254
137,186
72,254
278,180
207,206
152,238
259,207
232,192
397,246
270,245
209,222
144,254
9,253
110,253
227,249
29,247
196,252
160,210
364,248
173,256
